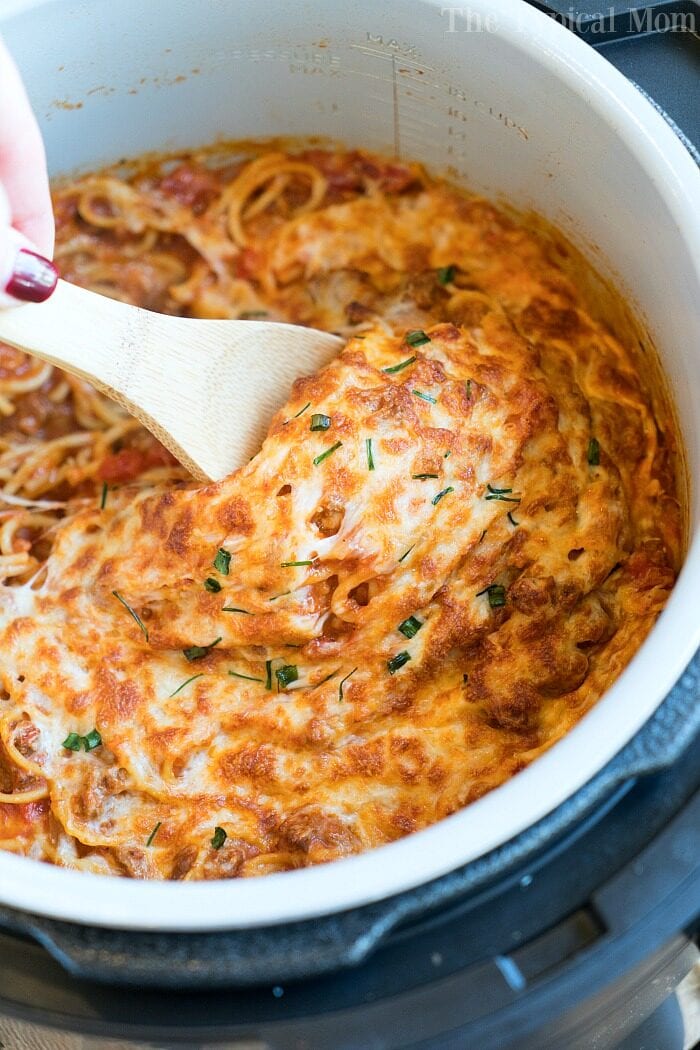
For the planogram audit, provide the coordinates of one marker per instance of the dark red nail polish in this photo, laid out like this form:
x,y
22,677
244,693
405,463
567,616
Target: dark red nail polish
x,y
33,278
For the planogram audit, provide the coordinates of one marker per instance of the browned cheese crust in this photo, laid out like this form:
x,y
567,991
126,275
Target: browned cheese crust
x,y
452,541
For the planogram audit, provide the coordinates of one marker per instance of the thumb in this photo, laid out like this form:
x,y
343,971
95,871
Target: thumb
x,y
25,275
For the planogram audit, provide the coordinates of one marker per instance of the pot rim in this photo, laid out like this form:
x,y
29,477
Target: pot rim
x,y
528,797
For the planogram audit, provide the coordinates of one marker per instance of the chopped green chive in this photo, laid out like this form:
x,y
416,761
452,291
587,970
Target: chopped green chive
x,y
248,677
327,453
294,564
327,678
370,457
482,535
436,499
131,613
92,740
446,274
232,608
400,367
74,741
416,337
268,674
425,397
398,661
276,596
469,389
296,416
512,520
406,554
218,838
410,627
286,675
501,494
210,584
196,652
593,454
496,594
222,561
105,490
422,477
320,422
187,682
149,840
344,680
447,454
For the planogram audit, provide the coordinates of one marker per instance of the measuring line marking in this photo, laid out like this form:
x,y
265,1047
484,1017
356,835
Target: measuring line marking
x,y
395,95
405,59
384,78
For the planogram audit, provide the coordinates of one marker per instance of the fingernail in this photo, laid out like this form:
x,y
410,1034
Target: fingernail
x,y
33,277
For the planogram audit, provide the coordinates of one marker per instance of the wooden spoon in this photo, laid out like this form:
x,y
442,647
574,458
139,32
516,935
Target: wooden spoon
x,y
206,389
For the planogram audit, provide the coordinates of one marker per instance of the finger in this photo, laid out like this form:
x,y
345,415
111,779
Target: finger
x,y
5,212
23,160
25,275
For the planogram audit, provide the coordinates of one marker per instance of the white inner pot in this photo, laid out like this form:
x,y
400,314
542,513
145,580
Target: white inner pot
x,y
515,107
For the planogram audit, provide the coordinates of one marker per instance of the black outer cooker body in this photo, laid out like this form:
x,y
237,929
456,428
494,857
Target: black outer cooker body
x,y
576,929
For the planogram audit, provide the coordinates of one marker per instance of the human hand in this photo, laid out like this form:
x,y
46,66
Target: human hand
x,y
26,217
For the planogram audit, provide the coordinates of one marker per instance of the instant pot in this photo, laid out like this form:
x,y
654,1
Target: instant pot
x,y
561,911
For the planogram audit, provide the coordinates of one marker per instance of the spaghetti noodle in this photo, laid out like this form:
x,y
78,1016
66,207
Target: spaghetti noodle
x,y
453,540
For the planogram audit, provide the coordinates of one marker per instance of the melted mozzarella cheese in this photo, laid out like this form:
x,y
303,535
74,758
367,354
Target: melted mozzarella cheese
x,y
450,578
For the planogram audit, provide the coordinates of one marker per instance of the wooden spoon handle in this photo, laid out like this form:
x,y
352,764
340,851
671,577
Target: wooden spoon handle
x,y
206,389
102,341
81,332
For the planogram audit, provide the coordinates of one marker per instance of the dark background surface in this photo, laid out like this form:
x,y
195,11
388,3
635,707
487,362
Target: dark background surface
x,y
666,65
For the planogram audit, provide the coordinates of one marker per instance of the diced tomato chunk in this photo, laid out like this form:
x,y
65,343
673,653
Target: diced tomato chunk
x,y
122,466
158,456
340,171
190,184
347,172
